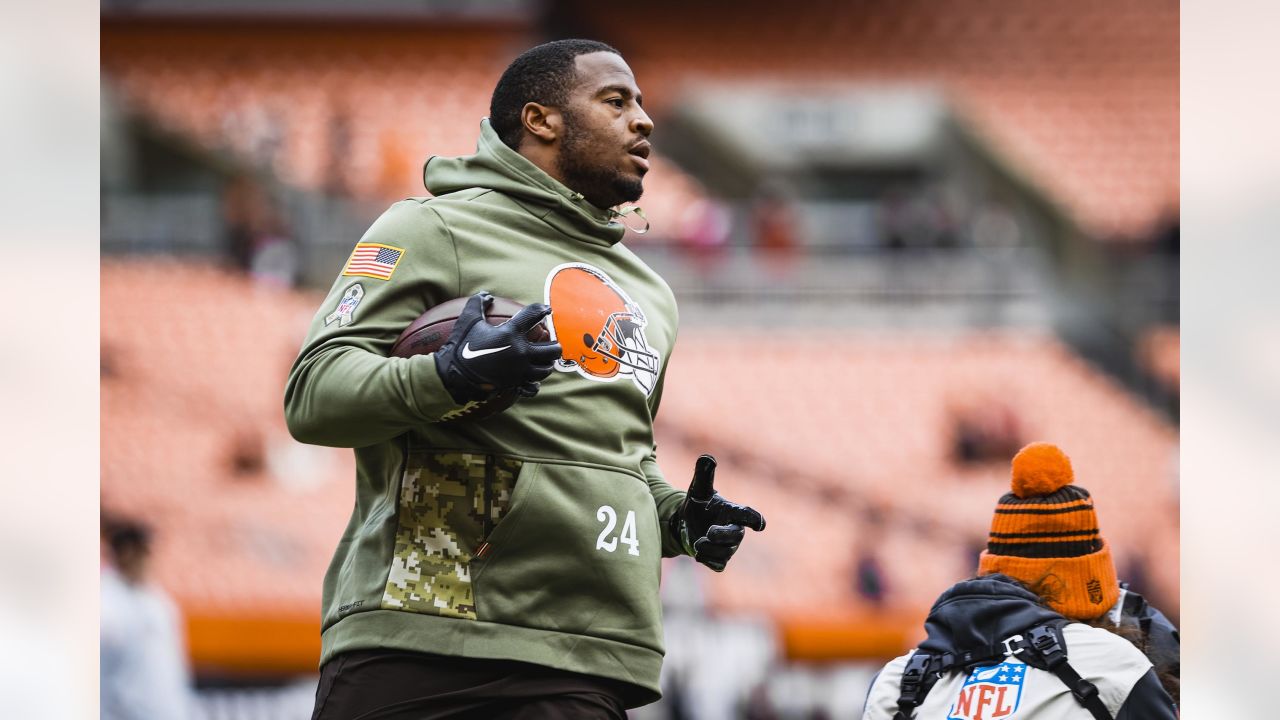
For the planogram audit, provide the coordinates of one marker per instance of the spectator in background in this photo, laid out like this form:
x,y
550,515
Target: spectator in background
x,y
274,261
869,575
258,241
757,705
775,224
241,210
704,233
254,129
143,659
338,144
913,218
870,578
986,429
675,697
1046,610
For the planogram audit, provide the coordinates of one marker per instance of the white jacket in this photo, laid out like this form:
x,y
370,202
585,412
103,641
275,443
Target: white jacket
x,y
982,613
1013,690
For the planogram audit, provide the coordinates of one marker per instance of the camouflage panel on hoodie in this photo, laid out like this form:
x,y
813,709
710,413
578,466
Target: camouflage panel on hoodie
x,y
449,503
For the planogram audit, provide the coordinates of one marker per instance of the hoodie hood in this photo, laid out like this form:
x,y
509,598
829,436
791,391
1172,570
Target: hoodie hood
x,y
982,612
497,167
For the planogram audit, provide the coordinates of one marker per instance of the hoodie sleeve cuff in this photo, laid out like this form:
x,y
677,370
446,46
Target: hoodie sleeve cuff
x,y
431,401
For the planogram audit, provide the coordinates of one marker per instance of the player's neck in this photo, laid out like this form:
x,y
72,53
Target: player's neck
x,y
543,157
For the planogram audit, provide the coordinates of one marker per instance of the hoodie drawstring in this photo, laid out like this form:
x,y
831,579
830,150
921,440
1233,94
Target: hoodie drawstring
x,y
632,210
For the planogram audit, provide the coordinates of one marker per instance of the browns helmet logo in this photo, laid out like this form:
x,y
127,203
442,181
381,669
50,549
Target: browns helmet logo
x,y
1095,591
599,327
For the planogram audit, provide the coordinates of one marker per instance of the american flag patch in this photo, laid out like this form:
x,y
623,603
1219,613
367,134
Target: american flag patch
x,y
373,260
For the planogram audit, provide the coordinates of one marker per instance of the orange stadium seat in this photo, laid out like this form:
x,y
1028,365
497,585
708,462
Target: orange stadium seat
x,y
1083,99
874,425
383,107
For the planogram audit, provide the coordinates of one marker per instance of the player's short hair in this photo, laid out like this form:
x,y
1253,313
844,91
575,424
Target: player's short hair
x,y
544,75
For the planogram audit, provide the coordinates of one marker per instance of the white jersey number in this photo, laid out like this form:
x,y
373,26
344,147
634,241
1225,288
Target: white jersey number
x,y
609,517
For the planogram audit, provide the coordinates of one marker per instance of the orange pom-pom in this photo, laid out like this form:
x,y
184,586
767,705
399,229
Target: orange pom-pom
x,y
1040,469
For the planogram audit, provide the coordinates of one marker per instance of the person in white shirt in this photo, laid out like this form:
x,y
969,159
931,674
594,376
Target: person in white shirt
x,y
143,671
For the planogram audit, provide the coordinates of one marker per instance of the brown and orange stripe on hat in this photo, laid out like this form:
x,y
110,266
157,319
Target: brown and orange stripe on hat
x,y
1045,534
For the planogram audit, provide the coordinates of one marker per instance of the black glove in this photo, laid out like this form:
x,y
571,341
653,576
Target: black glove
x,y
707,525
480,360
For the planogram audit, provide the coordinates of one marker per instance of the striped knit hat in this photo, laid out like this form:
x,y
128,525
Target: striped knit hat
x,y
1045,534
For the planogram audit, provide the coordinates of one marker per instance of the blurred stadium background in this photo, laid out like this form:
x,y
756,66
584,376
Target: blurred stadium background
x,y
906,237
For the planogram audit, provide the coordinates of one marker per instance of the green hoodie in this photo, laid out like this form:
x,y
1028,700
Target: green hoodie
x,y
533,535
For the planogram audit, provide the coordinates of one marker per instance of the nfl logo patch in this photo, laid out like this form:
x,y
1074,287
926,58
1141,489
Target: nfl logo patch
x,y
990,693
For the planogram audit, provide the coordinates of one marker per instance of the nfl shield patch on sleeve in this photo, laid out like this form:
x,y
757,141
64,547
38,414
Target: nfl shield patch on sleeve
x,y
373,260
351,298
990,693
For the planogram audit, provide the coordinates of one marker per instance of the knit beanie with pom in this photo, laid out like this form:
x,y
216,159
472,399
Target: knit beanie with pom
x,y
1045,534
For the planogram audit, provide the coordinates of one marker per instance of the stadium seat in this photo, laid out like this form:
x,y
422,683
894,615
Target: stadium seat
x,y
1083,100
294,99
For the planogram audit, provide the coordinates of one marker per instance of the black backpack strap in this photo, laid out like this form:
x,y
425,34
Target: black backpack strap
x,y
1042,647
1045,643
924,669
917,680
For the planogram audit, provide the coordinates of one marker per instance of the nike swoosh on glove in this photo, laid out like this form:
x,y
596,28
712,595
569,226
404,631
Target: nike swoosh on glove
x,y
710,527
480,360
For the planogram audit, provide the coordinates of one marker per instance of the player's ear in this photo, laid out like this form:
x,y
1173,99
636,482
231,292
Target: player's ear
x,y
542,121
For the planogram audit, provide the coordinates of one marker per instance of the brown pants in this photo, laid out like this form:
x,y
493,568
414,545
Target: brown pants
x,y
398,685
